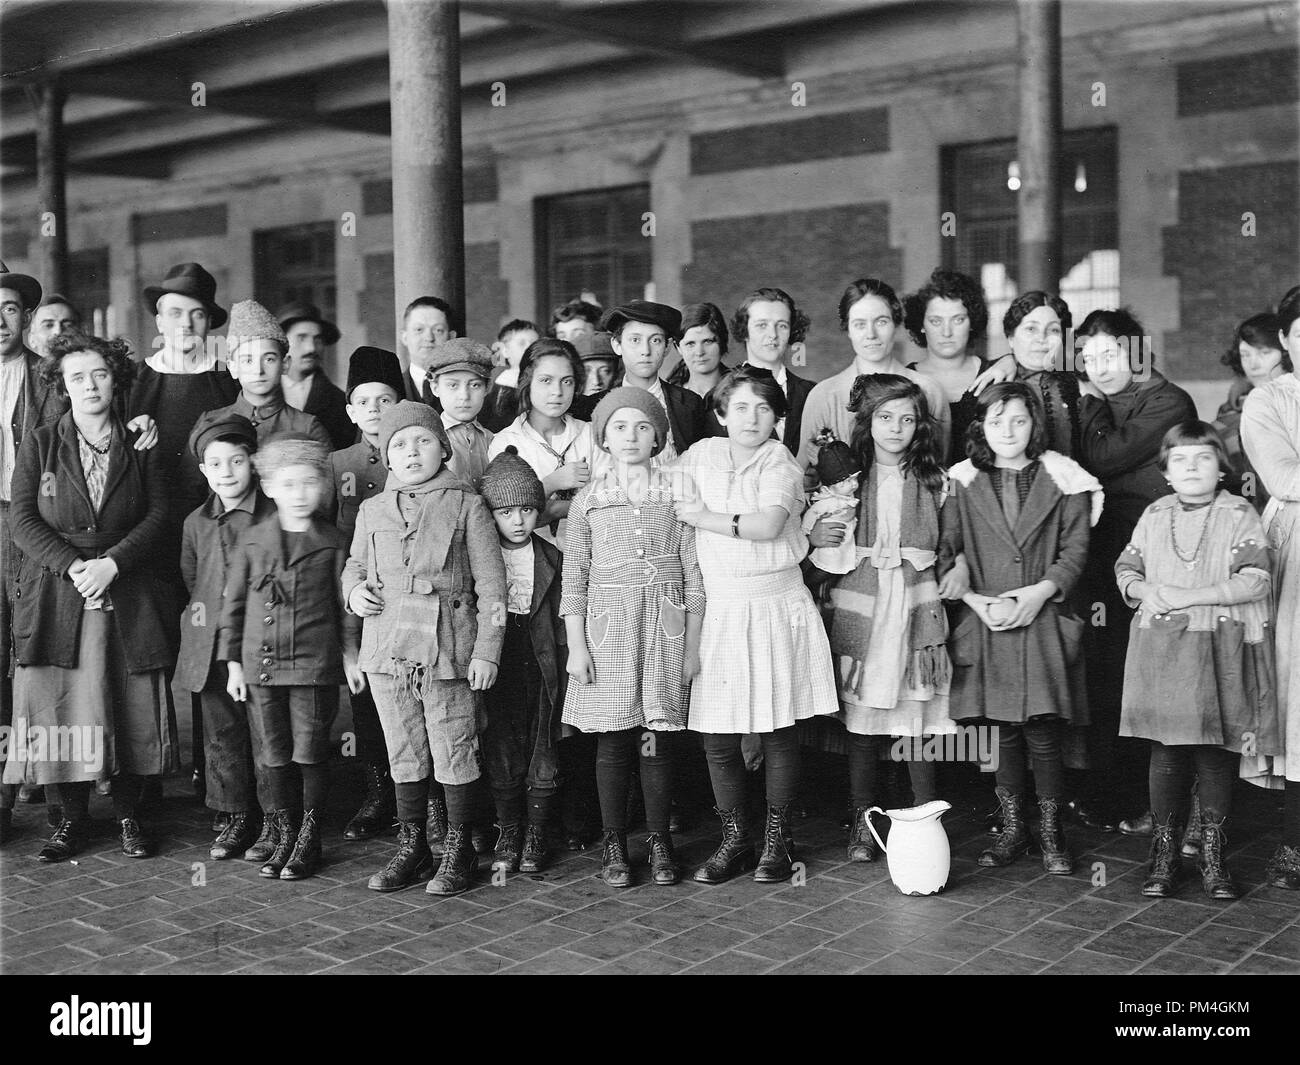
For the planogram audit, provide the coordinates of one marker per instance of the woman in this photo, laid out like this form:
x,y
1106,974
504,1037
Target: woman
x,y
947,317
92,643
1255,358
702,342
765,662
1270,432
1035,326
1126,406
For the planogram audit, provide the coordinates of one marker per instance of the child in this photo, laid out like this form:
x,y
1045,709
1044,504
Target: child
x,y
764,660
633,604
288,662
547,436
523,707
224,446
256,355
887,626
426,574
1021,514
838,470
501,406
1198,681
459,372
374,385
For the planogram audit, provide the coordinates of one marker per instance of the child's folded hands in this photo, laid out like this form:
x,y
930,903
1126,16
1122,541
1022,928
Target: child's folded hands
x,y
365,602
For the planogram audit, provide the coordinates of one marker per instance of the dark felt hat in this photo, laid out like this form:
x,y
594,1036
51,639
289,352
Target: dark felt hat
x,y
189,279
27,287
369,364
601,349
669,319
292,313
836,461
214,424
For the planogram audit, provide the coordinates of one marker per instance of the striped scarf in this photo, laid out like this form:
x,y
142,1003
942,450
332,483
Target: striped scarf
x,y
853,598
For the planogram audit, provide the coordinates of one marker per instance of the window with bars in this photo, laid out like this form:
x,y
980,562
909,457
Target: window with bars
x,y
979,187
592,242
296,264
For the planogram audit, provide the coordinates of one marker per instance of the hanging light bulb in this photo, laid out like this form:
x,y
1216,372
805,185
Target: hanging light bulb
x,y
1013,175
1080,178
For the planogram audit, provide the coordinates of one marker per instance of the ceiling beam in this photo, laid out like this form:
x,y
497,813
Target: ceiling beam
x,y
633,31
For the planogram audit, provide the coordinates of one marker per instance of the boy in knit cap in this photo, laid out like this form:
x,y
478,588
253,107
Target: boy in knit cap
x,y
224,447
460,371
520,744
286,646
256,350
425,573
374,385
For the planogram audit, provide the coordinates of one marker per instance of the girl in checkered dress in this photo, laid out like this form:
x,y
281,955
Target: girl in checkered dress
x,y
764,659
633,604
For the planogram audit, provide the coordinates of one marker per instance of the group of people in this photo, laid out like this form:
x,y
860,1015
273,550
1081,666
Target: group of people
x,y
583,572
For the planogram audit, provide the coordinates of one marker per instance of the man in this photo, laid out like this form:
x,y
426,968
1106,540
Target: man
x,y
639,333
55,316
426,323
601,365
768,324
25,405
576,322
304,383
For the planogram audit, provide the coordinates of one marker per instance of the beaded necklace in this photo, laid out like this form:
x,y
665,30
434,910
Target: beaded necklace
x,y
1190,563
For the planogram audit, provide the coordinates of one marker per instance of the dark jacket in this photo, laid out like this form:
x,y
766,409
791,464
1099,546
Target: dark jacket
x,y
54,525
208,544
797,389
37,405
500,407
283,617
327,403
546,629
359,474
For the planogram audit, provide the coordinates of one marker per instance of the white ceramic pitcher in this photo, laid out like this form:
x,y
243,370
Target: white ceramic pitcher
x,y
918,852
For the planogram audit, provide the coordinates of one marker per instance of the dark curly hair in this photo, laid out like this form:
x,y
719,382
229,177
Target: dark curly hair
x,y
977,445
115,353
540,349
946,285
921,459
1259,331
1028,302
869,286
700,314
800,323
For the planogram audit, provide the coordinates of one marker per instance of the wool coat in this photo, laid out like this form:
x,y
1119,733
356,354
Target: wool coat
x,y
1035,669
37,404
208,544
282,617
55,525
328,405
440,575
545,628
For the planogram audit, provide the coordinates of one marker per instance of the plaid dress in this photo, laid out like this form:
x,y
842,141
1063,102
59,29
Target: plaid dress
x,y
630,570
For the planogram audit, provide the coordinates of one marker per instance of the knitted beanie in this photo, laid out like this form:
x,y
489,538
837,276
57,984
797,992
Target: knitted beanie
x,y
407,413
249,320
510,482
636,398
283,450
835,462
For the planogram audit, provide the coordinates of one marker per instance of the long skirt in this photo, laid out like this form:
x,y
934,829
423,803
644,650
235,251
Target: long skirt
x,y
92,721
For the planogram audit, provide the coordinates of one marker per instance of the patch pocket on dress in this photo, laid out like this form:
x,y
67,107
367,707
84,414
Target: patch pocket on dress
x,y
672,619
598,629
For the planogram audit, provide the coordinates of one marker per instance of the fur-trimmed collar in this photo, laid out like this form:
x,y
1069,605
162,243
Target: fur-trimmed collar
x,y
1068,475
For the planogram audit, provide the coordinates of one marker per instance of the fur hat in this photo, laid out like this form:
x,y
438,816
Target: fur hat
x,y
461,353
510,482
291,449
374,365
638,399
407,413
214,424
249,320
189,279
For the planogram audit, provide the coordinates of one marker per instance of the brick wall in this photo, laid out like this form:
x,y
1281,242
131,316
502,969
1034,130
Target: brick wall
x,y
1224,275
811,254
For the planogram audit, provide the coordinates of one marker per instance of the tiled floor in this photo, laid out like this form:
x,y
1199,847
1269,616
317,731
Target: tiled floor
x,y
182,913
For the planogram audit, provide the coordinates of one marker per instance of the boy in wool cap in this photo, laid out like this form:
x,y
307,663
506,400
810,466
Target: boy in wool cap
x,y
286,646
224,447
459,371
374,385
520,744
426,574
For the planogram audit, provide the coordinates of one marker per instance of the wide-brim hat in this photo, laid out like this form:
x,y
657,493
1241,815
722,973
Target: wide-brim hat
x,y
27,287
292,313
190,279
669,319
601,349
